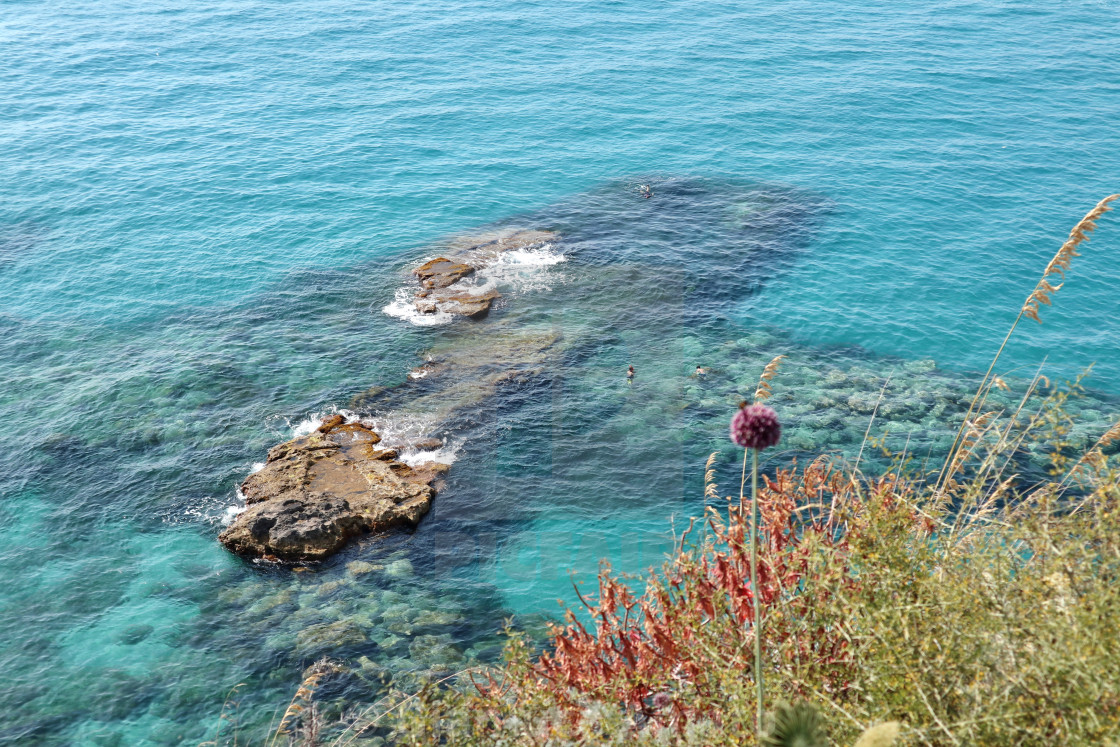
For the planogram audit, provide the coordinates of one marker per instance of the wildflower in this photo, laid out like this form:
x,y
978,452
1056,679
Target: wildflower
x,y
755,427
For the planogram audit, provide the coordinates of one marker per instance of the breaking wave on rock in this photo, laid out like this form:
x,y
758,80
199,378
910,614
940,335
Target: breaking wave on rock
x,y
401,307
497,271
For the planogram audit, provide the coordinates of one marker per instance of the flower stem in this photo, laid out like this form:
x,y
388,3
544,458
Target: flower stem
x,y
755,592
742,485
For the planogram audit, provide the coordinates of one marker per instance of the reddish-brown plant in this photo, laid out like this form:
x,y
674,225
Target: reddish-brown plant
x,y
662,654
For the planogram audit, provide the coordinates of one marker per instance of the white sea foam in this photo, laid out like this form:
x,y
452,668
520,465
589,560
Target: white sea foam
x,y
400,429
305,426
445,454
231,512
209,510
401,307
403,430
516,271
522,270
541,256
311,422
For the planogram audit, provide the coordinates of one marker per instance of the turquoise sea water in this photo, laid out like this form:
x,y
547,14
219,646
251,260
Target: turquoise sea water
x,y
204,210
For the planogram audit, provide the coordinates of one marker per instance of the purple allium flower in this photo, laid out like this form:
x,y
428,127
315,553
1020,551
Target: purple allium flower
x,y
755,427
660,700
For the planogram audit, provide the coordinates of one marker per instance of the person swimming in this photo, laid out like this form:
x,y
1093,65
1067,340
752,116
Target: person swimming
x,y
701,371
630,374
645,191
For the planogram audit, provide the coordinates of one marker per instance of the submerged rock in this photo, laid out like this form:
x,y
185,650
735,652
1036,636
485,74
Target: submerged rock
x,y
463,372
133,634
361,567
318,491
399,569
328,636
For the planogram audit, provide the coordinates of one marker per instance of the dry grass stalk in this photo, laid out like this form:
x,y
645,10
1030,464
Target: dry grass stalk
x,y
1061,261
1040,295
224,716
974,433
871,422
1094,458
762,392
1095,455
362,722
1008,444
301,699
711,490
1112,434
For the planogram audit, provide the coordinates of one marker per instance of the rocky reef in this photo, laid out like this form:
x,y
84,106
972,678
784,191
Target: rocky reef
x,y
445,281
318,491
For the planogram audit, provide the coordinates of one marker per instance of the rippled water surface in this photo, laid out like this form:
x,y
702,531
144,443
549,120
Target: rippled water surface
x,y
206,209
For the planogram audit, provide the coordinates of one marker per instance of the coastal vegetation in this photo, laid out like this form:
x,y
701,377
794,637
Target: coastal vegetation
x,y
974,603
986,614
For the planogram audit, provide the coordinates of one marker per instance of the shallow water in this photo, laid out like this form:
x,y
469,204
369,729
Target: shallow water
x,y
205,211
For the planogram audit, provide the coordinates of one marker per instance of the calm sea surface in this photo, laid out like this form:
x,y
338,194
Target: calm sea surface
x,y
206,210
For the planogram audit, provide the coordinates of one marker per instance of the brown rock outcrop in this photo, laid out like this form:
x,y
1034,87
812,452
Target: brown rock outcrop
x,y
441,288
463,302
318,491
441,272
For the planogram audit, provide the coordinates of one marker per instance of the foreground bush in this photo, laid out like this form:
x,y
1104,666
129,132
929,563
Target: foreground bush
x,y
973,606
994,622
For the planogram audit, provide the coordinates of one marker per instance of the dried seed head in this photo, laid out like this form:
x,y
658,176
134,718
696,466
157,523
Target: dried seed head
x,y
1057,267
768,373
